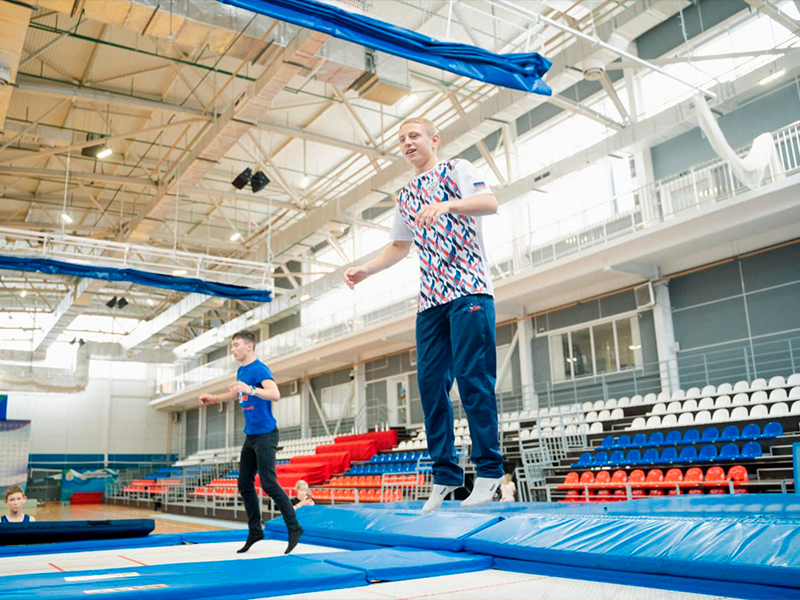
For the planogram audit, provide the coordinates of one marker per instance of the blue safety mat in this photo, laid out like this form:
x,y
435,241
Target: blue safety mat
x,y
150,541
397,564
233,579
47,532
442,531
752,550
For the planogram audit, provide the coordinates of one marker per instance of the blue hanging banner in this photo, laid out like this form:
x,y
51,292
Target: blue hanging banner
x,y
520,71
169,282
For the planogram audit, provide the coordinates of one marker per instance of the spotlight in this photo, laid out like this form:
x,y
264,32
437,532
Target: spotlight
x,y
112,303
259,181
179,272
99,151
23,293
304,182
150,302
66,218
242,179
236,237
122,303
104,152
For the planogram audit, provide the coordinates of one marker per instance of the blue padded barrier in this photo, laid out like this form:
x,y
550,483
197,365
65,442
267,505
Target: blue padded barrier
x,y
740,548
396,564
150,541
224,580
442,531
47,532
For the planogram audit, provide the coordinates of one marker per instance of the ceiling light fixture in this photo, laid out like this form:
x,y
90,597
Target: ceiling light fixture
x,y
104,152
23,293
150,302
259,181
100,151
122,303
179,272
304,297
112,303
236,236
772,77
304,183
242,179
66,218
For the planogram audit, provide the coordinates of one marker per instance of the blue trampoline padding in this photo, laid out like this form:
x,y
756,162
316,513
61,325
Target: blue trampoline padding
x,y
47,532
750,550
318,541
397,564
228,580
433,531
710,587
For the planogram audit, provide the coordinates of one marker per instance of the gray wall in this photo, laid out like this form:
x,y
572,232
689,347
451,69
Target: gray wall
x,y
739,320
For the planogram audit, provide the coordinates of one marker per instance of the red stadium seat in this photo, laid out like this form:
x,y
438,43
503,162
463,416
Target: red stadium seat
x,y
636,478
738,474
673,477
655,477
569,481
715,478
619,479
601,480
693,480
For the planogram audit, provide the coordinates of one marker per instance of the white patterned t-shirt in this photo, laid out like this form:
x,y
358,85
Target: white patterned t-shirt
x,y
452,254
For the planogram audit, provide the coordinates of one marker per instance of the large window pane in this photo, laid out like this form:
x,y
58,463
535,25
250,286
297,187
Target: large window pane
x,y
605,353
581,352
559,357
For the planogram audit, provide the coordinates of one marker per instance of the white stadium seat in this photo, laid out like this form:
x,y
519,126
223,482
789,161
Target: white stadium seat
x,y
778,394
659,409
741,386
611,403
599,404
759,411
689,405
776,382
707,403
617,413
670,420
678,395
636,400
686,419
758,397
722,401
739,413
702,417
779,409
721,415
653,422
648,398
724,388
625,401
758,384
663,397
794,379
673,407
640,423
796,408
596,428
794,393
587,406
591,416
693,392
708,390
740,400
604,415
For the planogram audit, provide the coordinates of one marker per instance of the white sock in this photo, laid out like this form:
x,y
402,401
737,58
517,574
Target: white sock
x,y
438,494
483,491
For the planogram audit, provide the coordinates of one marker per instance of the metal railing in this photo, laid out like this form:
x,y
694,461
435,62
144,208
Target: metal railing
x,y
667,198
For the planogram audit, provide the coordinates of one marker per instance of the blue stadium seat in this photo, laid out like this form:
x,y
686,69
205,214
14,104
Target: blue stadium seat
x,y
751,450
656,439
639,440
707,454
673,438
634,457
772,430
710,435
688,454
691,436
751,431
669,455
730,452
650,456
608,442
600,459
617,458
623,441
729,434
585,460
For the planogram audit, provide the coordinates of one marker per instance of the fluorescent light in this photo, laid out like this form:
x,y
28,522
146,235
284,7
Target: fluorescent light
x,y
150,302
66,218
634,347
105,152
304,183
23,293
236,237
179,272
304,297
772,77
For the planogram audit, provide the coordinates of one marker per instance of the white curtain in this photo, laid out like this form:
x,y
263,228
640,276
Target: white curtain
x,y
750,169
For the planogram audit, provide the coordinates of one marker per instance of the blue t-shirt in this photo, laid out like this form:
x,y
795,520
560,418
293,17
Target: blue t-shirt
x,y
257,412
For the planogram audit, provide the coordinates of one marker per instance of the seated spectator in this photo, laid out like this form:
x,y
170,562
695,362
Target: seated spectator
x,y
508,488
14,499
302,495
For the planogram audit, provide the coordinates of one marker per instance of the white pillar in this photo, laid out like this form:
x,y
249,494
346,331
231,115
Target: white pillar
x,y
201,426
665,339
529,398
360,398
305,409
230,423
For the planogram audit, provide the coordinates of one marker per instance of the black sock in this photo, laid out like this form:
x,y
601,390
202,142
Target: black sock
x,y
252,538
294,538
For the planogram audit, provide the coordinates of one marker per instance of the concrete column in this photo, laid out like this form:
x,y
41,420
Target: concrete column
x,y
201,434
305,409
360,398
665,339
230,423
529,398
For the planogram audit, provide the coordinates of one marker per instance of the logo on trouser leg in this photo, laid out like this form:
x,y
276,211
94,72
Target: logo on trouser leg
x,y
473,308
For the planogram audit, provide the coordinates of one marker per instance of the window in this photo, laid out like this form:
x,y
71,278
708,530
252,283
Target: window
x,y
603,348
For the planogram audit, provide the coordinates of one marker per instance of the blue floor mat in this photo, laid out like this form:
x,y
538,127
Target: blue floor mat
x,y
228,580
149,541
433,531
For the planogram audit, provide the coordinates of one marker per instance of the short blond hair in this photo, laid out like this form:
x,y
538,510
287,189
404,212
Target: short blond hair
x,y
301,485
14,489
430,126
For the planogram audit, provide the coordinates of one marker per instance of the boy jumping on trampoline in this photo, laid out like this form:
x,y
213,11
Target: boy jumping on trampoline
x,y
440,211
256,390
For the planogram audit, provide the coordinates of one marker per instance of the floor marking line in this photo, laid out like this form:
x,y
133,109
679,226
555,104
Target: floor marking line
x,y
481,587
56,567
133,560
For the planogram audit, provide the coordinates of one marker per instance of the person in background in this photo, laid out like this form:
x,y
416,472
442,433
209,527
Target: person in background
x,y
508,489
303,495
14,499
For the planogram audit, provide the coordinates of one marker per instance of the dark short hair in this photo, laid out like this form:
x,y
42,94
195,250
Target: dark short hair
x,y
246,336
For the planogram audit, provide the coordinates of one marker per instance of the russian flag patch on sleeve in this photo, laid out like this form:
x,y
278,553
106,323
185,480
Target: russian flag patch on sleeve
x,y
479,185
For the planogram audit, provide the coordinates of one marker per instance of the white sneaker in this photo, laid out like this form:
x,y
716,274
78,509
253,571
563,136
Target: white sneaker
x,y
483,491
438,494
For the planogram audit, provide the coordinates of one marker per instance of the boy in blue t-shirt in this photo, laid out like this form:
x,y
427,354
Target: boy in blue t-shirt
x,y
256,390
